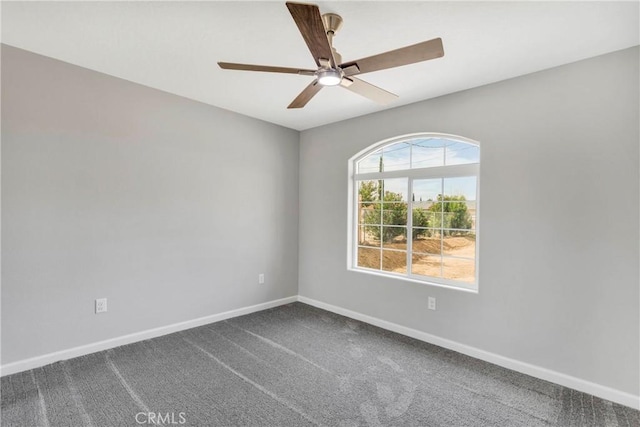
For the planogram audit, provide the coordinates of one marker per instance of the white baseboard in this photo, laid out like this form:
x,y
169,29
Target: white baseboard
x,y
598,390
35,362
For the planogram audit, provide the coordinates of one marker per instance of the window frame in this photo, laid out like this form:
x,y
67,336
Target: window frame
x,y
446,171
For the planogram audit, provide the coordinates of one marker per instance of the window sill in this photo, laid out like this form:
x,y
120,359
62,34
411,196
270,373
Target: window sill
x,y
471,288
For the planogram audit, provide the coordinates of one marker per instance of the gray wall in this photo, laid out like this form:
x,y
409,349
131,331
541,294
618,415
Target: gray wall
x,y
559,220
170,209
167,207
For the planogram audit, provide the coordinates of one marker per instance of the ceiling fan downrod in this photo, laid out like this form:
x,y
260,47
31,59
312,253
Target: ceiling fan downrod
x,y
332,24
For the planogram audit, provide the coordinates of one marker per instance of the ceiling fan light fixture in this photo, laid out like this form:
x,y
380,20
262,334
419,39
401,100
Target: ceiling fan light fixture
x,y
329,77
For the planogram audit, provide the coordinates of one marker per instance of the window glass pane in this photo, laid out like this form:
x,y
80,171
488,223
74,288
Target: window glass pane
x,y
427,153
459,243
426,265
458,215
394,237
369,258
460,188
427,240
426,217
395,261
369,236
471,209
460,153
369,213
426,191
459,269
396,157
394,213
395,190
371,163
368,191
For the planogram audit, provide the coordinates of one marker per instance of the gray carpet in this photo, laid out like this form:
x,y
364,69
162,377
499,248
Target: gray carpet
x,y
293,365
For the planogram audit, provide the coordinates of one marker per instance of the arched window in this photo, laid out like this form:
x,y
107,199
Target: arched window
x,y
414,209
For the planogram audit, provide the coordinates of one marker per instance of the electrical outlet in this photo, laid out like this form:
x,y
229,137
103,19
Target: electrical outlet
x,y
261,278
432,303
101,305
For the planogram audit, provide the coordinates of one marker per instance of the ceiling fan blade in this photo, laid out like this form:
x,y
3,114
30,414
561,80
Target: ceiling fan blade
x,y
309,22
266,68
368,90
395,58
306,95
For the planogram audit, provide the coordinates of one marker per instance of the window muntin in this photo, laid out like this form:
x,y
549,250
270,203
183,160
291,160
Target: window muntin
x,y
415,210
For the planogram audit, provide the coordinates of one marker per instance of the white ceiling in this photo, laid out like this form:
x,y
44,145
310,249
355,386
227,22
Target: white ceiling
x,y
174,46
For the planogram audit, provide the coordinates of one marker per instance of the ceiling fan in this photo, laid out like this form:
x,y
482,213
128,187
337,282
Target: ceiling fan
x,y
318,32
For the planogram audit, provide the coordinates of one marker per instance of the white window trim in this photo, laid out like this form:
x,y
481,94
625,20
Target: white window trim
x,y
411,174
